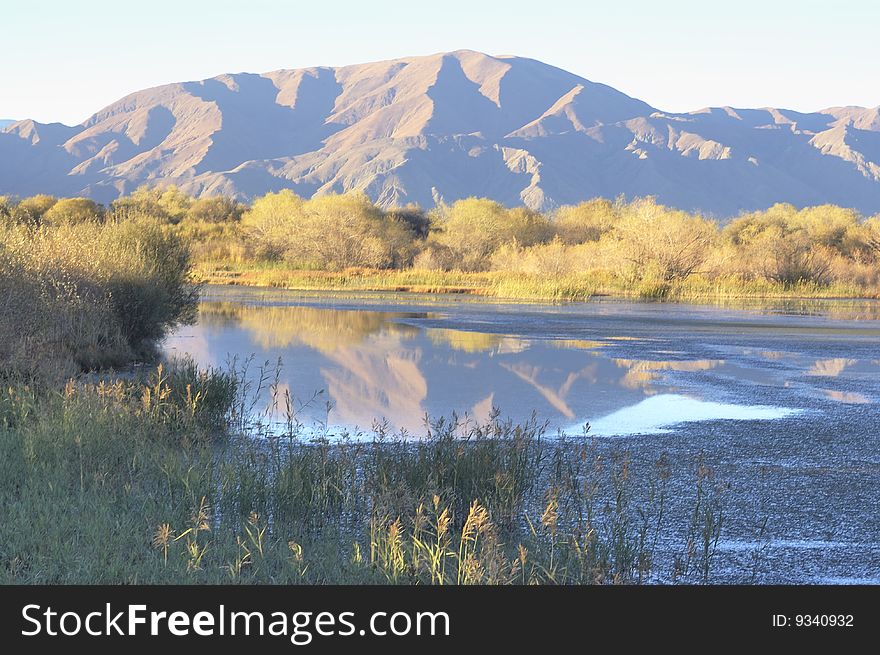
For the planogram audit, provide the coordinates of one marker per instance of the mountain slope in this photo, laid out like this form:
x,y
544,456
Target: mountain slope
x,y
443,127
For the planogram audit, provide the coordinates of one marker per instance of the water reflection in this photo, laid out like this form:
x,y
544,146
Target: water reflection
x,y
379,379
555,396
641,373
845,397
367,363
475,342
659,414
830,367
325,330
854,309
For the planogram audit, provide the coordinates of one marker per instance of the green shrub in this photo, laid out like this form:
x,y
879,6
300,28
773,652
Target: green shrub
x,y
587,221
474,228
330,232
31,210
145,272
68,211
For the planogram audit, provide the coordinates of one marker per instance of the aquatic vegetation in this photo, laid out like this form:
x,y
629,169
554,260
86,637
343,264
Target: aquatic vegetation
x,y
149,480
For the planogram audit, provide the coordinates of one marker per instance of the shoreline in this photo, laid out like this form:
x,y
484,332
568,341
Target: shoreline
x,y
517,287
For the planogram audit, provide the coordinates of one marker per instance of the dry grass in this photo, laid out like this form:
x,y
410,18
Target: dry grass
x,y
87,296
520,286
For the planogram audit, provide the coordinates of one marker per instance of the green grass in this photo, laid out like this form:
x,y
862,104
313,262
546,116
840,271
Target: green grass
x,y
142,482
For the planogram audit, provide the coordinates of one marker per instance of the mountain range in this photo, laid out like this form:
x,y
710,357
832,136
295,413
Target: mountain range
x,y
438,128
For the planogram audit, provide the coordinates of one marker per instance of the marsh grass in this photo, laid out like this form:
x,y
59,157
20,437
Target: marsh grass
x,y
142,480
522,286
177,475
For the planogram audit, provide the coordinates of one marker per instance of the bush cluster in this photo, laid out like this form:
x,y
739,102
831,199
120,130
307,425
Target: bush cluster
x,y
639,244
87,295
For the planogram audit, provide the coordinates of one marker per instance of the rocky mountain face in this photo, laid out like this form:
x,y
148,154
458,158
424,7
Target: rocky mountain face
x,y
444,127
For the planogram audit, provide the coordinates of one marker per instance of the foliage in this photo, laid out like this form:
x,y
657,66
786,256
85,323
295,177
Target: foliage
x,y
268,221
329,232
140,482
587,221
215,209
31,210
68,211
790,246
638,247
166,204
88,295
474,228
653,242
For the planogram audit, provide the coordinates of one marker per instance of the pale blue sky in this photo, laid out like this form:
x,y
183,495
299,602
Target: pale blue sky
x,y
61,61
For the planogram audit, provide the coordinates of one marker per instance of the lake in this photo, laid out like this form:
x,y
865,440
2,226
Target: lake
x,y
779,398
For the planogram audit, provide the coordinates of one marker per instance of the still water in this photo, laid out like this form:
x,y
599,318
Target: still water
x,y
782,399
620,368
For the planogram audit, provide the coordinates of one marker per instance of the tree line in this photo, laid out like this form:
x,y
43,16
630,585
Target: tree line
x,y
640,241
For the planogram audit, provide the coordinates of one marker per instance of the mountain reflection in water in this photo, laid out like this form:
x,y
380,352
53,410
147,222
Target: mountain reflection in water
x,y
359,366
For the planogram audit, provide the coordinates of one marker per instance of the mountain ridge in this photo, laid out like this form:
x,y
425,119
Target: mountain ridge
x,y
441,127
